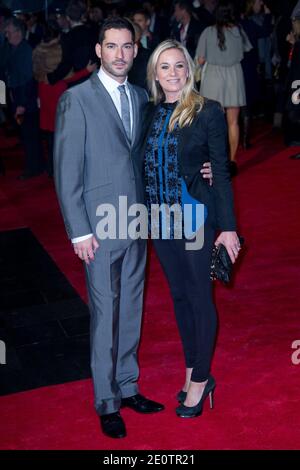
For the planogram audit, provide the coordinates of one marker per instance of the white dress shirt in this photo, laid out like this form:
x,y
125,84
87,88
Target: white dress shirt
x,y
111,87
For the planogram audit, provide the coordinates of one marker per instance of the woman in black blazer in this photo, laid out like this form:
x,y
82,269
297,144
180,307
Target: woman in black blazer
x,y
181,131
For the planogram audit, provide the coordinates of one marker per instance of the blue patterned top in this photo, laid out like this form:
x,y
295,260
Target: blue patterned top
x,y
163,182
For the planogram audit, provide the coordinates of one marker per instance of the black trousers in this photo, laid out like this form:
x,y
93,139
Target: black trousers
x,y
30,135
188,275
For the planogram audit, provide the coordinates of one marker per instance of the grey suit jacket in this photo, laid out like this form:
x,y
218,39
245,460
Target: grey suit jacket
x,y
92,157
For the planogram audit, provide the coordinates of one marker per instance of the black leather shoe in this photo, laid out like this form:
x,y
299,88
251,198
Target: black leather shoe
x,y
113,425
141,404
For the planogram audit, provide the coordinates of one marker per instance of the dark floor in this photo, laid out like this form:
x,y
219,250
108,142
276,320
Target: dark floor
x,y
43,322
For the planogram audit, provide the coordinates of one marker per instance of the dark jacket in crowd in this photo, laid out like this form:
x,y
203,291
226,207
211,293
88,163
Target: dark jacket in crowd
x,y
78,48
138,72
161,28
19,76
251,58
194,31
292,108
205,17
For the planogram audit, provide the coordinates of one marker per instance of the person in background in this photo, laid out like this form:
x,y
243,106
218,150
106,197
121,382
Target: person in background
x,y
187,29
137,75
250,62
159,24
220,50
147,40
46,57
96,17
292,110
77,45
205,11
23,96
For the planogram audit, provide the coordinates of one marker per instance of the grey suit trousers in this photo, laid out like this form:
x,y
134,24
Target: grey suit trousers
x,y
115,281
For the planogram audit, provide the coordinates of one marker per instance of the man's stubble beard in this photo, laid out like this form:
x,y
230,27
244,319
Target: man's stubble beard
x,y
112,71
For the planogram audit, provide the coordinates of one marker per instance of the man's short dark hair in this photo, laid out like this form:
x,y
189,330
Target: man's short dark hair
x,y
75,10
116,23
184,5
17,24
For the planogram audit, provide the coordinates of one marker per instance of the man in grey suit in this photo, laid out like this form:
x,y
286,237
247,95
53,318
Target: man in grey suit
x,y
97,125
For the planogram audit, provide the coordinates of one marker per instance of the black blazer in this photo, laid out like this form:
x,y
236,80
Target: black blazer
x,y
194,31
204,140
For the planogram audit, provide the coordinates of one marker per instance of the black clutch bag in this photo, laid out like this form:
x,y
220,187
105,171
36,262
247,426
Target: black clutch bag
x,y
221,265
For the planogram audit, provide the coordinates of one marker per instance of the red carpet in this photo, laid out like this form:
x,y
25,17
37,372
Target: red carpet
x,y
257,395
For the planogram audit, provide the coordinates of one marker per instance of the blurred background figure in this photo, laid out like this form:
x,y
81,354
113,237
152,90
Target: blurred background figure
x,y
46,57
159,23
62,20
221,49
95,16
205,11
292,111
23,96
78,45
250,62
148,40
138,72
186,29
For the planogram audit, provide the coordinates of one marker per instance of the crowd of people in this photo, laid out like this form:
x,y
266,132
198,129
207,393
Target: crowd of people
x,y
247,55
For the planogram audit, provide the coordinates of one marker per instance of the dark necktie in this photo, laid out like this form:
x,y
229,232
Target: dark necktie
x,y
125,111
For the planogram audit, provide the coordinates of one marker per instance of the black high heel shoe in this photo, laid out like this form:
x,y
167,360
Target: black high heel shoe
x,y
181,396
194,411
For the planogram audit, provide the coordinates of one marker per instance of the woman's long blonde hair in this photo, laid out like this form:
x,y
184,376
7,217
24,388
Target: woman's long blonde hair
x,y
190,101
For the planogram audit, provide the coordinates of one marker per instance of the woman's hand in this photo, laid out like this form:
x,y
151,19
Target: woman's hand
x,y
231,242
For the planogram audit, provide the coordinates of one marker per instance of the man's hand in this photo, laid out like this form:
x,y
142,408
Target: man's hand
x,y
20,110
86,249
207,172
231,242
